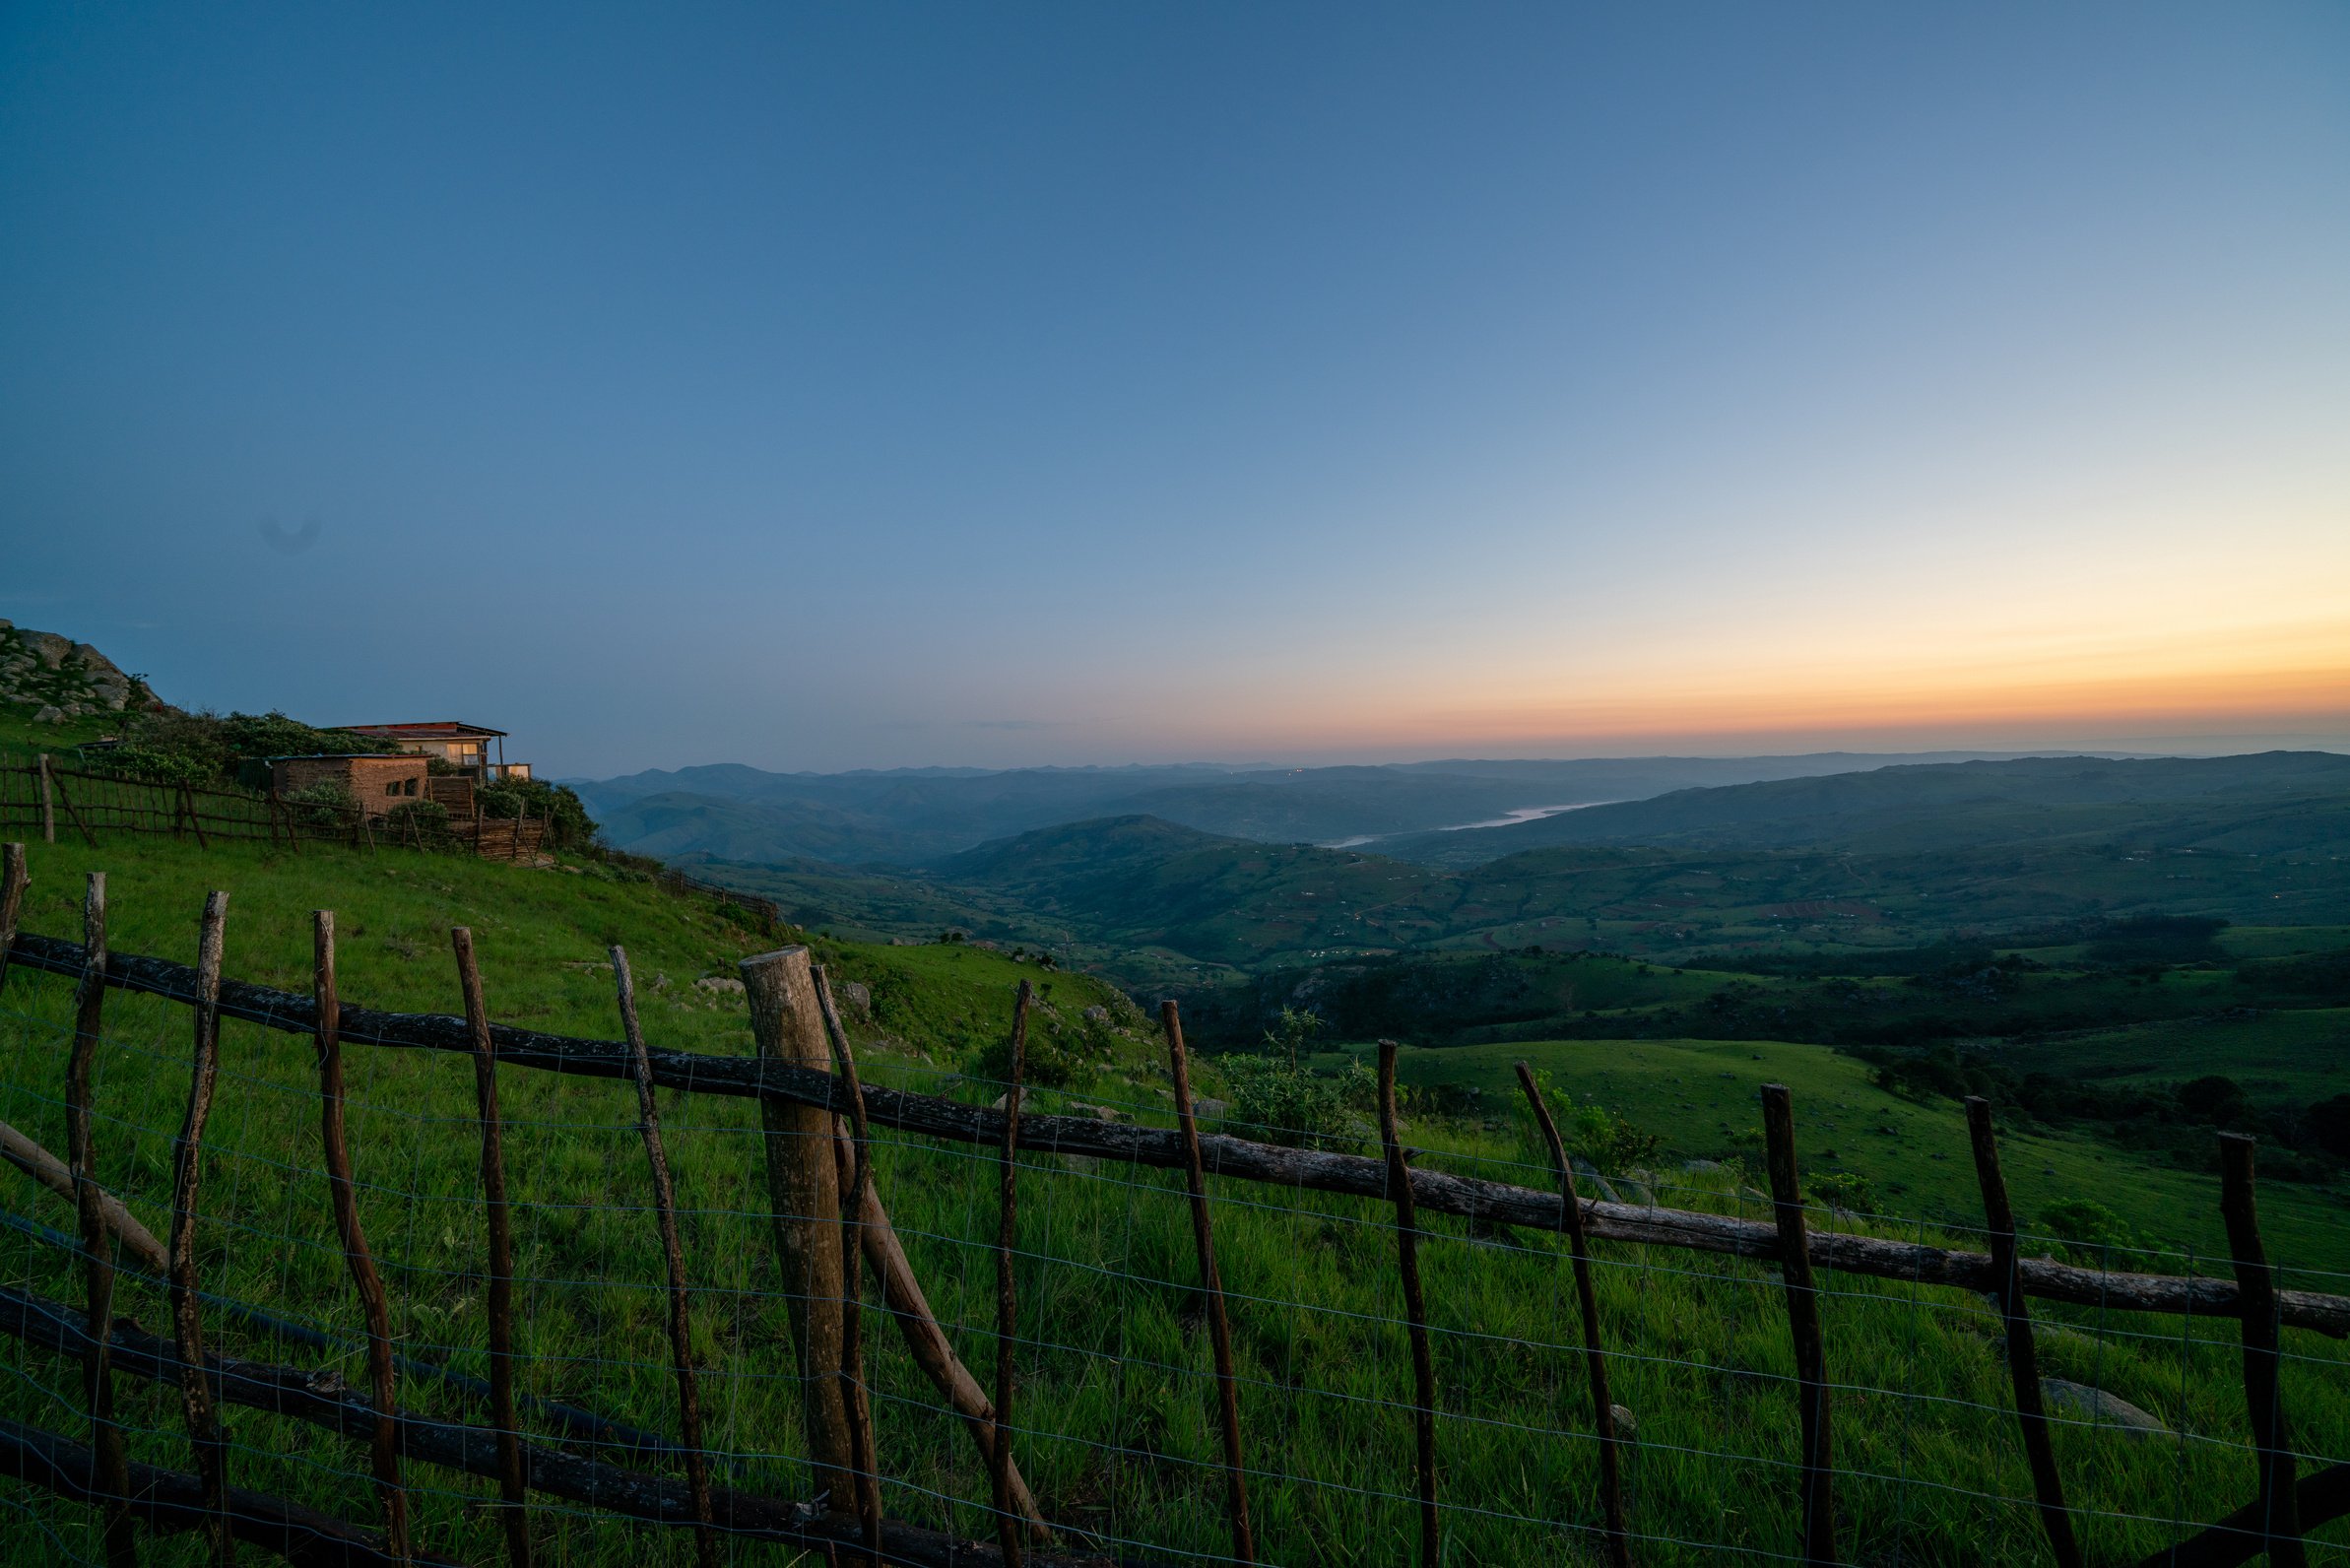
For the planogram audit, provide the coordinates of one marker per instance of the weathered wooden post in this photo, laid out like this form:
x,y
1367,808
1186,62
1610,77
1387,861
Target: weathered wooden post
x,y
109,1465
1802,1322
804,1197
1587,1296
2023,1355
2256,1286
1008,1300
48,809
1212,1285
512,1494
12,878
673,1254
1416,1303
187,1176
383,1448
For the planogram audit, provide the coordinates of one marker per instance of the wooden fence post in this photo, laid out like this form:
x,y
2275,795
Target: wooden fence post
x,y
803,1198
856,1184
2255,1281
673,1254
49,810
1587,1296
1803,1325
2023,1355
383,1449
501,1256
187,1175
1212,1285
1008,1301
13,877
1416,1303
110,1467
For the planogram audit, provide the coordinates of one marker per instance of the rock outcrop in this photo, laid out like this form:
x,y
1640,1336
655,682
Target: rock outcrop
x,y
65,680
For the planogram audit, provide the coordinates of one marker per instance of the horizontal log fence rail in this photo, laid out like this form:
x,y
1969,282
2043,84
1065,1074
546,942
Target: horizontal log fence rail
x,y
829,1174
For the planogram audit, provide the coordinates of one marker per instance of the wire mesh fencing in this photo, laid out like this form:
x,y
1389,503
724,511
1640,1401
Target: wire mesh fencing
x,y
912,1319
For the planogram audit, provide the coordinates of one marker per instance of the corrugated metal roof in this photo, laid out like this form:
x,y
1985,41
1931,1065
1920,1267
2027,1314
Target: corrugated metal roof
x,y
430,730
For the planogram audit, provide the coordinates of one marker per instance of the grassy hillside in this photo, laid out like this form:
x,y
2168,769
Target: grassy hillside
x,y
1117,1406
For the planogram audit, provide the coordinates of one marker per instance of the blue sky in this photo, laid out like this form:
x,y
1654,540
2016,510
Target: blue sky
x,y
841,386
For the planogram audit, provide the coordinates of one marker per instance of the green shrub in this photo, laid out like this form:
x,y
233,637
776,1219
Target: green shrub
x,y
2088,1229
564,812
1591,1130
1844,1191
327,804
1284,1103
1051,1061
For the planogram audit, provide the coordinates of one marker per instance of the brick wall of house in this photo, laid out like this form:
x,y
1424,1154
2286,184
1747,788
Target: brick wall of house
x,y
377,783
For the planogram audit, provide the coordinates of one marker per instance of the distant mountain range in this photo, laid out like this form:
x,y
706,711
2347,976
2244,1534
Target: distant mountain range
x,y
1891,856
912,816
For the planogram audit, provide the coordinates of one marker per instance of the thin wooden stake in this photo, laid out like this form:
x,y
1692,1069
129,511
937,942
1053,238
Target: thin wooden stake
x,y
2272,1439
856,1184
2023,1355
383,1376
12,880
187,1175
1802,1321
1587,1298
1415,1304
1211,1285
49,810
1007,1525
501,1256
66,800
673,1253
111,1465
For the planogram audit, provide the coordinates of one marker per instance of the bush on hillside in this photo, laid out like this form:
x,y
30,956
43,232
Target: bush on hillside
x,y
1284,1103
326,803
564,812
1592,1131
1052,1059
171,747
2090,1231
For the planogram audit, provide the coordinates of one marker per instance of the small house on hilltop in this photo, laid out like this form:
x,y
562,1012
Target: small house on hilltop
x,y
467,748
377,783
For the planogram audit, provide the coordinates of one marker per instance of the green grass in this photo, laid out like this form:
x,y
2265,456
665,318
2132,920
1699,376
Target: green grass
x,y
1117,1408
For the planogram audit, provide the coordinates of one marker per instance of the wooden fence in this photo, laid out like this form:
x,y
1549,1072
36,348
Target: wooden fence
x,y
804,1081
46,797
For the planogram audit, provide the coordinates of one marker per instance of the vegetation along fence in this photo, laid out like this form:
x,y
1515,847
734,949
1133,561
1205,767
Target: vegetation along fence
x,y
446,1304
45,797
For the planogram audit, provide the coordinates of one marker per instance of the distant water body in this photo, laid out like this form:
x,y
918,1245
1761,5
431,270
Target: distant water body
x,y
1524,813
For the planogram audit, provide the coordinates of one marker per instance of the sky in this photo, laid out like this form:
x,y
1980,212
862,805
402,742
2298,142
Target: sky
x,y
829,386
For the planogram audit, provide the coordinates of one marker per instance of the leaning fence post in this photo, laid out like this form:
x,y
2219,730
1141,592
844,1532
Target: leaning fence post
x,y
2256,1286
1587,1296
48,809
1415,1304
1802,1321
187,1175
803,1195
1211,1285
857,1180
673,1253
13,877
383,1446
2023,1355
110,1465
501,1255
1008,1301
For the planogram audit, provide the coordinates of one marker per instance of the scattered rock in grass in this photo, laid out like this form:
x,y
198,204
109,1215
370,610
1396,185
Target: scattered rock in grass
x,y
717,983
2101,1409
1695,1165
1625,1425
855,995
1027,1099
